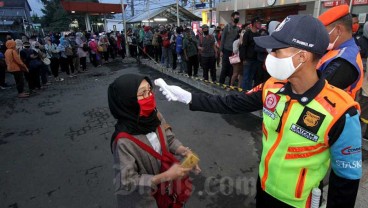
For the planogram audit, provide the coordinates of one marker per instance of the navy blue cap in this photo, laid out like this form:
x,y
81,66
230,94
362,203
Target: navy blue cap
x,y
298,31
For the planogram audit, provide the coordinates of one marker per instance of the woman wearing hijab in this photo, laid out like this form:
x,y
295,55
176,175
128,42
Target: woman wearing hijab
x,y
63,57
15,66
137,173
82,50
54,55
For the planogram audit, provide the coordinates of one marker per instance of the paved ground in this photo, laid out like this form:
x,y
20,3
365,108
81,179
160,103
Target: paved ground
x,y
54,147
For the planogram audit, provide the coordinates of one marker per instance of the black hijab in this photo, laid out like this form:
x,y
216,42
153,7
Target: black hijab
x,y
123,104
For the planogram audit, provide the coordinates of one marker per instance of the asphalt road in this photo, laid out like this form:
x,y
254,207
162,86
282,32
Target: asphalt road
x,y
54,147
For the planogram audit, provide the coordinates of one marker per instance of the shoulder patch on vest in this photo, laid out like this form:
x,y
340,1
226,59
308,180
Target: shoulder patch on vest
x,y
271,101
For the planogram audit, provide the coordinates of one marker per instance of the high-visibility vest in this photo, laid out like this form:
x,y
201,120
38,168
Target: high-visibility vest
x,y
295,156
350,52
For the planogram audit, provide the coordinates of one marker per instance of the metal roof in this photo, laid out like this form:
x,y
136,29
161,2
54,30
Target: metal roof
x,y
168,12
91,7
16,3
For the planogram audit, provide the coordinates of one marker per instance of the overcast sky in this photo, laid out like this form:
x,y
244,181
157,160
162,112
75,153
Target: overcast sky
x,y
36,5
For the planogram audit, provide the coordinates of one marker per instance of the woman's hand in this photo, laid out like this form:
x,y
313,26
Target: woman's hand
x,y
196,170
176,171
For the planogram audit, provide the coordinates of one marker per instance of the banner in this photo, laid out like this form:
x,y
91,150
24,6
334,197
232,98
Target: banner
x,y
340,2
204,17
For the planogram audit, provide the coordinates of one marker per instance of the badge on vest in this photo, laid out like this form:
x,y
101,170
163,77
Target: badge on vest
x,y
308,124
270,104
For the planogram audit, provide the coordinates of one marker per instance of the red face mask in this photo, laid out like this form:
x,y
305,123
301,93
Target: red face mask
x,y
355,27
147,106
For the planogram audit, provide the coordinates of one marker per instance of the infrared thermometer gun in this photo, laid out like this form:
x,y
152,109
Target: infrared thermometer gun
x,y
162,84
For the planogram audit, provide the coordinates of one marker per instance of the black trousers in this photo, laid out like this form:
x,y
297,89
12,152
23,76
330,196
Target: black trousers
x,y
192,65
70,64
175,57
94,60
54,65
2,75
209,65
19,81
133,50
34,78
64,64
112,51
44,73
83,62
106,55
227,68
158,53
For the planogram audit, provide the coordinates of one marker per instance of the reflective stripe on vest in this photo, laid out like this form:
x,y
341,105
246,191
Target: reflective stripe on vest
x,y
295,156
350,52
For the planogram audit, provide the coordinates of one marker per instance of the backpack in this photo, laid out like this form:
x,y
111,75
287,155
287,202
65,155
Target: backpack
x,y
170,194
85,47
69,51
154,40
246,50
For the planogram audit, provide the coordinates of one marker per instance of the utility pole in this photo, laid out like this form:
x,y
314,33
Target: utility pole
x,y
350,5
125,28
148,10
209,25
132,7
177,13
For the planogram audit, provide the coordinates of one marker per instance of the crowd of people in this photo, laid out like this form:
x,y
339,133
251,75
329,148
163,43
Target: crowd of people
x,y
32,60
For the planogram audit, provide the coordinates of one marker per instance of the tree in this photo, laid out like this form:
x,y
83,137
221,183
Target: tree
x,y
56,19
35,18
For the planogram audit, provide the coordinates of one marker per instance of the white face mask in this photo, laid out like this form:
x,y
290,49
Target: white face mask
x,y
331,45
281,68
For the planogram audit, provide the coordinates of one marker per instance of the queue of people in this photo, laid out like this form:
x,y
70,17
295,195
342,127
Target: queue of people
x,y
32,60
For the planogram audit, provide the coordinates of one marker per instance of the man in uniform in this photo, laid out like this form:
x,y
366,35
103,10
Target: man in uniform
x,y
308,124
341,65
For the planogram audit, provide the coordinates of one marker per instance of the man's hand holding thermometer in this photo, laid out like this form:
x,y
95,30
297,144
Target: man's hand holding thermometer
x,y
173,93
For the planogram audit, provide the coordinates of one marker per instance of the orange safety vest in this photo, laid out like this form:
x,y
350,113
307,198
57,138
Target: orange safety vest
x,y
350,52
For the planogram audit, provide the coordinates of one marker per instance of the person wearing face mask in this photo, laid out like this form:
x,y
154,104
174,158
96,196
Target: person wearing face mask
x,y
308,124
208,51
137,171
341,65
248,54
228,36
355,27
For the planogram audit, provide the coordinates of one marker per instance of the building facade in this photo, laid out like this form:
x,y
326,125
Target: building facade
x,y
279,9
15,15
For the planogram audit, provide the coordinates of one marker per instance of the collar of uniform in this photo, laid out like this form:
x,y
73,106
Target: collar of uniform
x,y
347,43
308,96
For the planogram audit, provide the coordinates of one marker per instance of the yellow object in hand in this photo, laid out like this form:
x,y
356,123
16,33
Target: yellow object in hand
x,y
190,161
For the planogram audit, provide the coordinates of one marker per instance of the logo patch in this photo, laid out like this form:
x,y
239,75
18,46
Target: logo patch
x,y
271,101
282,24
352,165
311,120
303,132
349,150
